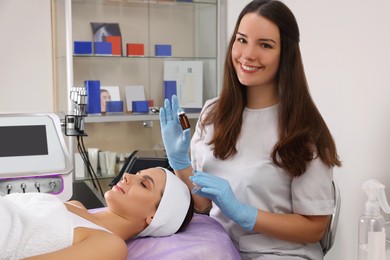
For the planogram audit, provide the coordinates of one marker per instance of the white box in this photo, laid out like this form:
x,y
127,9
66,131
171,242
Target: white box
x,y
189,81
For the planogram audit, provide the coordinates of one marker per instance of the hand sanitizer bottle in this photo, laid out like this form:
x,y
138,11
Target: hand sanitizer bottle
x,y
372,239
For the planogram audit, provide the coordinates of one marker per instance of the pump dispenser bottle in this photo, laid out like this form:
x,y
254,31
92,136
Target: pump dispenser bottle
x,y
372,238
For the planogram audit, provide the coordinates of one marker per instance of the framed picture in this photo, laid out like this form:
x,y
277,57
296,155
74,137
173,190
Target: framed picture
x,y
108,32
108,93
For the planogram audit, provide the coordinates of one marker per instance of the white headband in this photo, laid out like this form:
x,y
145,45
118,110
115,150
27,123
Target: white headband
x,y
172,209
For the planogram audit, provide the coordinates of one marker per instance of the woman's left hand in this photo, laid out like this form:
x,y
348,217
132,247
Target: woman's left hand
x,y
176,141
219,191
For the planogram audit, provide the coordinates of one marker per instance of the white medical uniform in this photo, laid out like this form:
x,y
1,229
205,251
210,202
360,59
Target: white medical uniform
x,y
258,182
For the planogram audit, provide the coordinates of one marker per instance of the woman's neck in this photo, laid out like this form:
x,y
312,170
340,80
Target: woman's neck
x,y
261,97
107,219
118,225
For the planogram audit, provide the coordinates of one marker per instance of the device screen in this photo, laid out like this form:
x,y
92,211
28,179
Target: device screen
x,y
24,140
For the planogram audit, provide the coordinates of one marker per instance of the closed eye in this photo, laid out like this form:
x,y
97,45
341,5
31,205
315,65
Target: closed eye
x,y
147,182
143,184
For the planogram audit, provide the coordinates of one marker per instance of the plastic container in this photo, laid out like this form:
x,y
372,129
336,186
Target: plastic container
x,y
372,236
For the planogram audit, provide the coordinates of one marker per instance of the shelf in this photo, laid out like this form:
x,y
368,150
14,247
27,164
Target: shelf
x,y
140,57
145,2
128,117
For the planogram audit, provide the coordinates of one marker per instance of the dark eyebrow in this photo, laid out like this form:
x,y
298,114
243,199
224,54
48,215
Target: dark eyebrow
x,y
261,39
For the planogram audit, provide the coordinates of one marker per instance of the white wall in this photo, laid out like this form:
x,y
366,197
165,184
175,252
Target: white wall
x,y
26,81
346,51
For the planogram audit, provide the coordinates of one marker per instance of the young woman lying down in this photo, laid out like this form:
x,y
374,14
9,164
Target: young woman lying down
x,y
37,226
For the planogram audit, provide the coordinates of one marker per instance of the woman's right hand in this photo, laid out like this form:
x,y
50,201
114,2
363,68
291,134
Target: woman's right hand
x,y
176,141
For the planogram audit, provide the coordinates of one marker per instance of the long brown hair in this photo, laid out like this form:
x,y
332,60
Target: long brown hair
x,y
303,134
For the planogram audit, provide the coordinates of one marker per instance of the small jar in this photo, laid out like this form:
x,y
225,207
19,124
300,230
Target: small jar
x,y
183,119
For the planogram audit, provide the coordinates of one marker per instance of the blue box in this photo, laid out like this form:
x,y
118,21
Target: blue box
x,y
82,48
102,48
141,106
114,106
163,50
93,96
170,89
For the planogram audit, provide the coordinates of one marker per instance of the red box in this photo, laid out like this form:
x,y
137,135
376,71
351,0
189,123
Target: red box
x,y
116,42
135,49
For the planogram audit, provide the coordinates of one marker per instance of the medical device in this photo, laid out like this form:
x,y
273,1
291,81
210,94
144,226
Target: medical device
x,y
33,155
74,125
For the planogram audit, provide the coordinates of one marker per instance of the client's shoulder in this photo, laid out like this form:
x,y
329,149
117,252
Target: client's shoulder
x,y
76,203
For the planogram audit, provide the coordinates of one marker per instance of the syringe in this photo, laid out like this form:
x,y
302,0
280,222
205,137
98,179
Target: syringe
x,y
194,169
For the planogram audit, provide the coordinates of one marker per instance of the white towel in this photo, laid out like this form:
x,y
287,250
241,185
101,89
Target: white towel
x,y
33,224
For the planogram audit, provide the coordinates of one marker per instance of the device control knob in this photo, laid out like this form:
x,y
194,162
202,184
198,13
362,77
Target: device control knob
x,y
52,185
23,186
9,188
38,186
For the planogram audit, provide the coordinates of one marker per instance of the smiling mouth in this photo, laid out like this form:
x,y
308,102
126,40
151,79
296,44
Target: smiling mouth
x,y
249,68
119,188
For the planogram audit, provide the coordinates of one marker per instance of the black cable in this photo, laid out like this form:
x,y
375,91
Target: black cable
x,y
91,171
85,158
87,163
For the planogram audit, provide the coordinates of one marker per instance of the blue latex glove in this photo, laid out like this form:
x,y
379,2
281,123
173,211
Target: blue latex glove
x,y
219,191
176,141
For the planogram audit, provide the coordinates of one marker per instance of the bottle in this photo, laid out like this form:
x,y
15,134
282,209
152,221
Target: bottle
x,y
372,238
183,119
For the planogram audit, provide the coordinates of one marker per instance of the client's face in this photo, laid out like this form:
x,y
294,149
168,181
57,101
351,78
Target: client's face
x,y
136,197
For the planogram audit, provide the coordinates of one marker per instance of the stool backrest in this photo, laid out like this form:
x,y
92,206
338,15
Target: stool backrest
x,y
329,237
